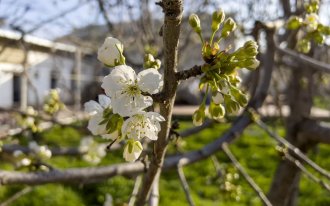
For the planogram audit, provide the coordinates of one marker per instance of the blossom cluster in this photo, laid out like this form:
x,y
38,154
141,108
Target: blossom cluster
x,y
121,113
220,76
37,153
310,27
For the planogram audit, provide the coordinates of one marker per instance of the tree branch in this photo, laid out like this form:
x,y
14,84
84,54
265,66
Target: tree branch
x,y
171,31
185,185
315,131
192,72
294,149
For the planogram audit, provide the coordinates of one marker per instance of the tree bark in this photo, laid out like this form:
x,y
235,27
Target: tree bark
x,y
285,186
171,31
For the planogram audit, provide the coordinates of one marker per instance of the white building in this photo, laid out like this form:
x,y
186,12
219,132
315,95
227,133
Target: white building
x,y
47,64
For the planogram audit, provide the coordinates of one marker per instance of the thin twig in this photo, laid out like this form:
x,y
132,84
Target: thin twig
x,y
137,184
294,149
251,182
185,185
306,172
16,196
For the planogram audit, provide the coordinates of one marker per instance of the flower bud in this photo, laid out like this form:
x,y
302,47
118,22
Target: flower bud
x,y
252,63
132,150
199,116
110,52
195,23
304,46
231,105
294,22
318,38
228,27
251,48
217,111
217,19
239,96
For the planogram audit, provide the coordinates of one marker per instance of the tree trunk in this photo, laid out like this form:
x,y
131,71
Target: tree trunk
x,y
285,186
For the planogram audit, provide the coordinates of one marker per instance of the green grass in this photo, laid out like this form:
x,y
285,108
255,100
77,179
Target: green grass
x,y
255,151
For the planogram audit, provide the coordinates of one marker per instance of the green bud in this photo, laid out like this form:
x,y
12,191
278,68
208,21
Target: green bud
x,y
312,7
228,27
239,96
217,19
252,63
251,48
199,116
217,111
319,38
324,29
195,23
149,58
151,62
294,22
231,105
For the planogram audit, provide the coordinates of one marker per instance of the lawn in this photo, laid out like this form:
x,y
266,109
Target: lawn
x,y
255,151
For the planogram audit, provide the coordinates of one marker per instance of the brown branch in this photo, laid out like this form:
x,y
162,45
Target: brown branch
x,y
70,151
315,131
247,177
192,72
171,31
105,15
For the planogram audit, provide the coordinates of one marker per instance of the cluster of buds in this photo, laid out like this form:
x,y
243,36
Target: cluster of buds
x,y
93,152
220,71
29,119
229,185
53,102
310,26
37,153
151,62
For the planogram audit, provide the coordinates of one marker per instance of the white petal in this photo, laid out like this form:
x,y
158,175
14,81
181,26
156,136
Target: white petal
x,y
155,116
92,107
93,125
111,136
131,157
126,106
104,101
150,80
118,79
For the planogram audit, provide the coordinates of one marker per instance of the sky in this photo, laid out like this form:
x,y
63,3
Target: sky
x,y
28,14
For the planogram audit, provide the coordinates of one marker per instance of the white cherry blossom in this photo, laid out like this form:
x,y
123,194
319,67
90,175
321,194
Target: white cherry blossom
x,y
311,20
132,150
125,88
143,124
108,53
95,110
